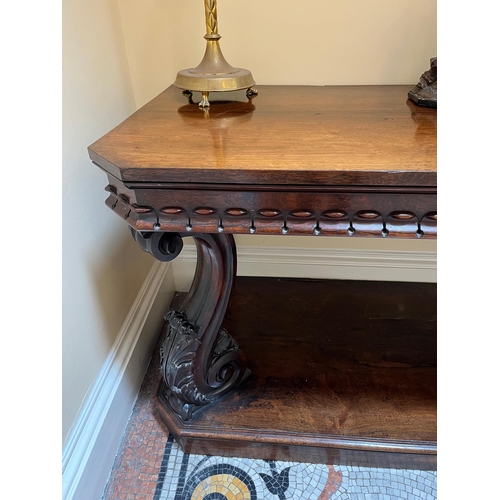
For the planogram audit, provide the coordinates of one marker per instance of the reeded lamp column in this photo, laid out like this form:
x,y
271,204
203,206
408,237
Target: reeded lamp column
x,y
214,73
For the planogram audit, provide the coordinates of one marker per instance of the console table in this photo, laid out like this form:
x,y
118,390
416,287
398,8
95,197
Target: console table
x,y
350,161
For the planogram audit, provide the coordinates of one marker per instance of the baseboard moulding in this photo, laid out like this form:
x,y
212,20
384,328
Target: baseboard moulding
x,y
94,440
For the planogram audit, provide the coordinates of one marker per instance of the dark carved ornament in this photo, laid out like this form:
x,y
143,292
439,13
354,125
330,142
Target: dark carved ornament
x,y
425,92
178,362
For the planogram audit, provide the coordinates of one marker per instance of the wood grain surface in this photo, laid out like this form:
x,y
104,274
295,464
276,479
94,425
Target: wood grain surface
x,y
353,135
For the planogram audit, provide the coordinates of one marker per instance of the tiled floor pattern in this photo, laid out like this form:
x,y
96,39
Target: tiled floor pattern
x,y
196,477
150,466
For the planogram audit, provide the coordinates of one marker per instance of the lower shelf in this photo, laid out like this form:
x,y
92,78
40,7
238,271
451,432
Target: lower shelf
x,y
343,372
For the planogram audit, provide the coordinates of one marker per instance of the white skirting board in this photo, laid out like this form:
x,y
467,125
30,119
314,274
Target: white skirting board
x,y
91,447
320,263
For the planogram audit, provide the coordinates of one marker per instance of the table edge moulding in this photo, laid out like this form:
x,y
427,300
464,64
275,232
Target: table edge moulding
x,y
295,160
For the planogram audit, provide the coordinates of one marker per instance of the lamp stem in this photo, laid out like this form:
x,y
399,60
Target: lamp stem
x,y
211,17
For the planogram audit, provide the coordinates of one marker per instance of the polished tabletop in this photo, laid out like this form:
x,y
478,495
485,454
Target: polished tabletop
x,y
328,135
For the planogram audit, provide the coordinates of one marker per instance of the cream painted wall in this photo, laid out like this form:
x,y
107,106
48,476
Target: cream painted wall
x,y
103,269
319,42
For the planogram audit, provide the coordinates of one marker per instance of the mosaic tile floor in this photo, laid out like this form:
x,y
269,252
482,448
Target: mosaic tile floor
x,y
150,466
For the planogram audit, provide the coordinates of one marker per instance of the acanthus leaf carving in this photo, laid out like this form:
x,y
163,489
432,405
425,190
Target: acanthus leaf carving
x,y
177,356
178,360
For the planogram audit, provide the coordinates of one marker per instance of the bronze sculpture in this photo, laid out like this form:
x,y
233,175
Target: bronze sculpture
x,y
425,92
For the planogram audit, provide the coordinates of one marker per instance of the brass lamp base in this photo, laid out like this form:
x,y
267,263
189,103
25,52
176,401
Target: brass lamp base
x,y
214,74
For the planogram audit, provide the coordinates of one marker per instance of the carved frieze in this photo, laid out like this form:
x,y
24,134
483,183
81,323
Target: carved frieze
x,y
140,218
337,220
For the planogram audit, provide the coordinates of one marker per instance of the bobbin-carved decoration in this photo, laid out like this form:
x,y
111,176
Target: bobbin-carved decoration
x,y
340,219
140,218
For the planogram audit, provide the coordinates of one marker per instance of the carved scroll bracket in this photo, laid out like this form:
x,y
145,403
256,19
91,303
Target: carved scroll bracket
x,y
162,246
200,361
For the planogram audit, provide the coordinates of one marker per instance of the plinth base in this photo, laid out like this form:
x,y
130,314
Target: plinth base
x,y
343,372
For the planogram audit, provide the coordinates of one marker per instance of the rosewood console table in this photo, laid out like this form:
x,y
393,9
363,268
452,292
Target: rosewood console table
x,y
318,161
